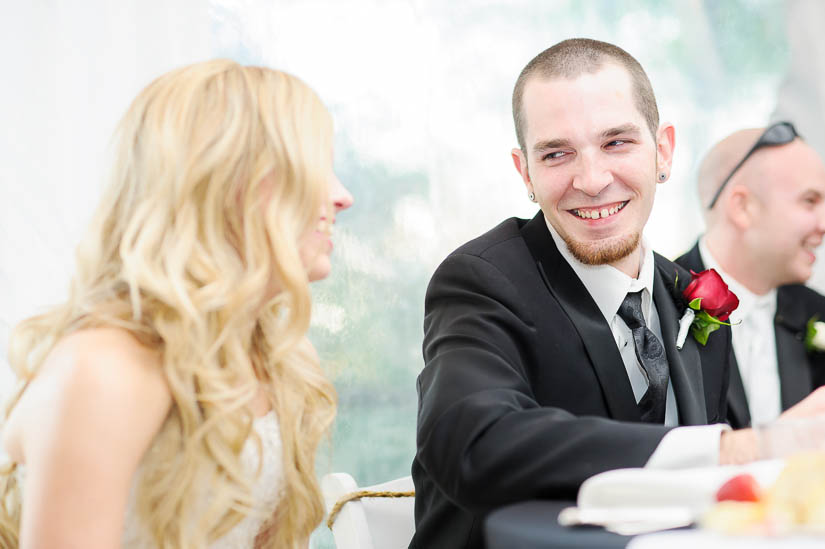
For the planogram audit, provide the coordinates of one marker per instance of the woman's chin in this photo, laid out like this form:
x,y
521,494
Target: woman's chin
x,y
320,269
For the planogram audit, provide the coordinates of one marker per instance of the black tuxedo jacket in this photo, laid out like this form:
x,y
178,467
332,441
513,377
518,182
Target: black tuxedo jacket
x,y
524,394
800,372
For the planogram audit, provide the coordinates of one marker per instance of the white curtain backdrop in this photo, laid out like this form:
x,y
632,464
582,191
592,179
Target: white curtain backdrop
x,y
802,93
69,72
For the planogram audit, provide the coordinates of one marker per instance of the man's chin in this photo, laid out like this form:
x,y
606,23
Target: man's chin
x,y
796,271
800,276
603,252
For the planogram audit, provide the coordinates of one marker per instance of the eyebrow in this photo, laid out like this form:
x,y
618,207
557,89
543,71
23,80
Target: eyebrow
x,y
619,130
551,144
606,134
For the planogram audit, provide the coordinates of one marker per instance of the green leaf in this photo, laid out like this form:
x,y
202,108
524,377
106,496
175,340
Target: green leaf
x,y
810,334
704,324
704,316
696,304
701,331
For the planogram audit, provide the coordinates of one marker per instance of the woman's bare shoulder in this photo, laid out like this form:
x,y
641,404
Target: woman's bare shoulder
x,y
97,378
108,365
95,346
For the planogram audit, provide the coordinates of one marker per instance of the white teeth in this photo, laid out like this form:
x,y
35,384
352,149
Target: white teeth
x,y
599,214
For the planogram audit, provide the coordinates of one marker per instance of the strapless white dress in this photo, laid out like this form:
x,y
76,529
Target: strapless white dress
x,y
267,490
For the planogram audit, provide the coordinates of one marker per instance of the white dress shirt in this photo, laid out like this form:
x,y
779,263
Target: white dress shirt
x,y
754,342
693,446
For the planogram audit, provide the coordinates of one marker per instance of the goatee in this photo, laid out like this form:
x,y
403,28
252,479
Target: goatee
x,y
603,252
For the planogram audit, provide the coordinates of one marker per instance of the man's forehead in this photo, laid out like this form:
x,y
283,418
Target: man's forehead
x,y
796,164
590,103
616,74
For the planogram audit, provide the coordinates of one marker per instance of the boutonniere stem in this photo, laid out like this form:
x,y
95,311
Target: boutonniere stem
x,y
684,328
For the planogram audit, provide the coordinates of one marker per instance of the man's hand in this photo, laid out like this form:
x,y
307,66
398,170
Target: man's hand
x,y
811,406
736,447
800,428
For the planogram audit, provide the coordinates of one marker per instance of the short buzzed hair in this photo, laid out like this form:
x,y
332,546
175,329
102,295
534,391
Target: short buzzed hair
x,y
571,58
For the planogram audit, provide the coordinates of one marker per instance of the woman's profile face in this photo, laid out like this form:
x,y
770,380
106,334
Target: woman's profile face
x,y
316,247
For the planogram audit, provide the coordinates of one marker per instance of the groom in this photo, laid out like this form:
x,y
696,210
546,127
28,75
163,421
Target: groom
x,y
550,344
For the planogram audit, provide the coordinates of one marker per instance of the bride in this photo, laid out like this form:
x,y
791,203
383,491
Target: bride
x,y
173,400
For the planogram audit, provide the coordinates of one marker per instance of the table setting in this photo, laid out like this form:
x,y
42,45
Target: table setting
x,y
776,502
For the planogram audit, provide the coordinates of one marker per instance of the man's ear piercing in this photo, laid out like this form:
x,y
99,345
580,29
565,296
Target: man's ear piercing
x,y
531,196
662,177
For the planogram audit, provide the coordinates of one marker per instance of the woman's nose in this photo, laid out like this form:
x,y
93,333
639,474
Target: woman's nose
x,y
341,197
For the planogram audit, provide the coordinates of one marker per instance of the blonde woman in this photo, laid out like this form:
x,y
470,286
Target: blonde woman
x,y
173,400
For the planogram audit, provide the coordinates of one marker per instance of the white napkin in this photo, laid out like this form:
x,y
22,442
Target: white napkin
x,y
691,539
634,501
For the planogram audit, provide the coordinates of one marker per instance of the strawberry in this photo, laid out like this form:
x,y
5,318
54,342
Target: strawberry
x,y
740,488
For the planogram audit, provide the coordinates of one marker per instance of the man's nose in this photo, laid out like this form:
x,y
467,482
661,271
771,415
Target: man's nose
x,y
592,176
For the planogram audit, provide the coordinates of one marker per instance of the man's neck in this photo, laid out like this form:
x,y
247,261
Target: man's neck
x,y
631,263
731,255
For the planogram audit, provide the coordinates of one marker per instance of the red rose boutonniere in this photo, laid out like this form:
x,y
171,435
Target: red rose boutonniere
x,y
710,304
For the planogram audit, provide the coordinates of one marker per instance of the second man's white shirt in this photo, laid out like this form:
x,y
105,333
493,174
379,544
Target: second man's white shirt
x,y
754,342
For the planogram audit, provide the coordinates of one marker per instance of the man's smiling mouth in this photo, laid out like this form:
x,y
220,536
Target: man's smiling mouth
x,y
599,213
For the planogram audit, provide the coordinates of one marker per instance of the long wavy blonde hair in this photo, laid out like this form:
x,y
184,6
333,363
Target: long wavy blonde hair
x,y
219,171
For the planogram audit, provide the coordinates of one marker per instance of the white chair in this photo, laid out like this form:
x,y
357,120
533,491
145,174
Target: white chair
x,y
370,522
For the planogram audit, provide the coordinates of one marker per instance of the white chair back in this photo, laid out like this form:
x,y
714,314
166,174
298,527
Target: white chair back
x,y
370,522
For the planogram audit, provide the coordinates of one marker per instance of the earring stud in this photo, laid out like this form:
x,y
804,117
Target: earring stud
x,y
662,176
531,196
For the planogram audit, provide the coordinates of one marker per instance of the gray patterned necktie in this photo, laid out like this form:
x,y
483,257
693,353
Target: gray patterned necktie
x,y
651,356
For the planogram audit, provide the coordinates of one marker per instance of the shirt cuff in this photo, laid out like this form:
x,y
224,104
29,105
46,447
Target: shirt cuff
x,y
694,446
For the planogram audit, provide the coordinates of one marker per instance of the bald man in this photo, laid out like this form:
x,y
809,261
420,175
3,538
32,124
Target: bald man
x,y
763,197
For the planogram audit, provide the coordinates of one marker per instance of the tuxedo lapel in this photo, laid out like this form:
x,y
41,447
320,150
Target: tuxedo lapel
x,y
692,260
568,290
738,409
791,356
685,365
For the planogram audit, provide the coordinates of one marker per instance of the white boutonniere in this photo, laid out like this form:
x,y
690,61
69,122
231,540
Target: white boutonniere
x,y
815,335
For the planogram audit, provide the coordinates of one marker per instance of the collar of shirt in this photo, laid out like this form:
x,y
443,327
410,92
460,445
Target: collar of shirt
x,y
607,285
749,302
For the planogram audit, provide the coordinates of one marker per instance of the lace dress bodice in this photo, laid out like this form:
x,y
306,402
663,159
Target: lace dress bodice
x,y
266,490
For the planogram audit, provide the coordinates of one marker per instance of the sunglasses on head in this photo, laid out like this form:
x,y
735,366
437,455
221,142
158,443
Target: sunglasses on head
x,y
780,133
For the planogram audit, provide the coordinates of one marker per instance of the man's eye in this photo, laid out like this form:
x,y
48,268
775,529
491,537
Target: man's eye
x,y
554,155
616,143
